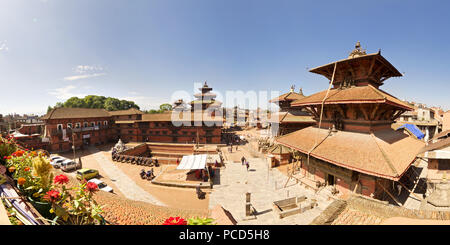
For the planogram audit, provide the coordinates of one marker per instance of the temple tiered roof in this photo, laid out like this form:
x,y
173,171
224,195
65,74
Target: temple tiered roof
x,y
361,94
206,99
385,153
358,68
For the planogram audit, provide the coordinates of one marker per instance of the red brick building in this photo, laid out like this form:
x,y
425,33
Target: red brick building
x,y
353,146
199,124
80,126
65,127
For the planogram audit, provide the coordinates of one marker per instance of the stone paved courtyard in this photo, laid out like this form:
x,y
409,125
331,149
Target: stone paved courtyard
x,y
126,185
261,182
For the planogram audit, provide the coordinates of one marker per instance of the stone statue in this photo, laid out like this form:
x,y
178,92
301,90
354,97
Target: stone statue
x,y
119,147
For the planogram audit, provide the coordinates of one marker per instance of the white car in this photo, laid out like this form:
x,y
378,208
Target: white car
x,y
56,163
52,158
68,165
101,185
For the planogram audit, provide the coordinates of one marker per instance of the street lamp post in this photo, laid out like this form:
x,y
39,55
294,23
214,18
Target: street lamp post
x,y
73,145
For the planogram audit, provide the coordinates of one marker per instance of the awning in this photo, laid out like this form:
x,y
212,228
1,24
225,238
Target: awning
x,y
413,129
193,162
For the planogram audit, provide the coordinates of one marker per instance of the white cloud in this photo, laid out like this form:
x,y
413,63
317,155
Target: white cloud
x,y
76,77
81,69
86,71
3,46
65,93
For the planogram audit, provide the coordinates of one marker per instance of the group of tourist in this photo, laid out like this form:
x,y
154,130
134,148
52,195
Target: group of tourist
x,y
245,162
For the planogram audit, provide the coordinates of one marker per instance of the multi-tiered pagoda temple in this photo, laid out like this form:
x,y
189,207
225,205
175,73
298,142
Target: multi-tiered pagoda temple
x,y
289,118
205,100
352,146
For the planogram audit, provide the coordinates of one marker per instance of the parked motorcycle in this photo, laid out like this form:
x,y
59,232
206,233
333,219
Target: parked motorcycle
x,y
150,174
143,174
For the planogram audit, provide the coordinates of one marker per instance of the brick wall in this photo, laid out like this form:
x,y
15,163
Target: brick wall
x,y
446,121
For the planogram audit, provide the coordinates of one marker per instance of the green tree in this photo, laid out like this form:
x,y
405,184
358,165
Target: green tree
x,y
98,102
165,107
112,104
75,102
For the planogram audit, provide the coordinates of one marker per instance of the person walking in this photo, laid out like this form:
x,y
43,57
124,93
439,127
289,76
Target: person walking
x,y
243,160
247,164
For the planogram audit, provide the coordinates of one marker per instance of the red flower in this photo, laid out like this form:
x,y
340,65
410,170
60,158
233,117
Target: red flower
x,y
175,221
61,179
18,153
26,169
21,181
52,195
91,186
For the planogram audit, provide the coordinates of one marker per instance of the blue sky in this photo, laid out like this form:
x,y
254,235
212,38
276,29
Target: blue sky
x,y
145,50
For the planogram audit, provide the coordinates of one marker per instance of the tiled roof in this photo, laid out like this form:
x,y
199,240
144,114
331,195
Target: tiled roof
x,y
122,211
131,111
437,145
279,149
289,117
361,94
385,154
290,96
393,71
445,133
182,116
62,113
356,217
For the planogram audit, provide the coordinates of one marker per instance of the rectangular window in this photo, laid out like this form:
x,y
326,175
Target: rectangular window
x,y
105,123
85,124
92,124
69,125
444,164
77,125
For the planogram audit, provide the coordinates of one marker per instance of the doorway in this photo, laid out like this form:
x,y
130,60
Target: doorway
x,y
331,179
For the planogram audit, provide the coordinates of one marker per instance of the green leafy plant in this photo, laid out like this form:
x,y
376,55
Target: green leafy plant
x,y
7,147
201,221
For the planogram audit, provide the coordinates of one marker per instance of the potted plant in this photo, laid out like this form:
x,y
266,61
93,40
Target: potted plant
x,y
75,205
7,147
33,175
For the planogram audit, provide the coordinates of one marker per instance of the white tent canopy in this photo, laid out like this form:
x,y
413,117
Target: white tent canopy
x,y
193,162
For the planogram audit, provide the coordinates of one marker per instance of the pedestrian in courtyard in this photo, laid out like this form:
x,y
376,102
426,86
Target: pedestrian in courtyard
x,y
247,164
243,160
